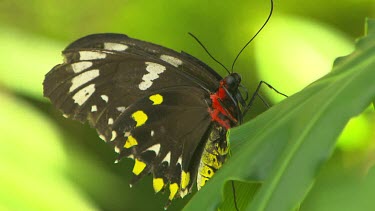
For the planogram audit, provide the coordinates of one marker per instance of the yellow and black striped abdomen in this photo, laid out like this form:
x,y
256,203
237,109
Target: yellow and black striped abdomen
x,y
214,155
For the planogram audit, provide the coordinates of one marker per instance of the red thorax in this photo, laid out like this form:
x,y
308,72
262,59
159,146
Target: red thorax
x,y
222,107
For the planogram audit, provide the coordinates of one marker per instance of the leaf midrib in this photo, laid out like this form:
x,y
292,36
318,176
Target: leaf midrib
x,y
273,183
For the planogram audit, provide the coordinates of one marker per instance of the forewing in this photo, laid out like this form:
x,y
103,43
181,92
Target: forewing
x,y
189,65
103,74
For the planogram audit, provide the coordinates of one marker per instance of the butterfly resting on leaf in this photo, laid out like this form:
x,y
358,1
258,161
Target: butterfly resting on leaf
x,y
166,110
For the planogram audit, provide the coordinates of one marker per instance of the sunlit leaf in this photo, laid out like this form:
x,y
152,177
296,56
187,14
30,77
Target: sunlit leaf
x,y
286,145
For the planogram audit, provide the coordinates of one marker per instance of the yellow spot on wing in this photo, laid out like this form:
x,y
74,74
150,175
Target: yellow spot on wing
x,y
157,99
138,167
140,117
173,188
131,141
158,184
185,179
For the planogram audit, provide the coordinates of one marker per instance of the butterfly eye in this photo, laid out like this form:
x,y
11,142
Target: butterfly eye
x,y
232,81
237,77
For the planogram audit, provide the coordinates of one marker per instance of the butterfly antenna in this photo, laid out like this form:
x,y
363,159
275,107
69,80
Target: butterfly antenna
x,y
264,24
196,39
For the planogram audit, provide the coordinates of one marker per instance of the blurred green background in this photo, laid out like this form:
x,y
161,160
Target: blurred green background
x,y
48,162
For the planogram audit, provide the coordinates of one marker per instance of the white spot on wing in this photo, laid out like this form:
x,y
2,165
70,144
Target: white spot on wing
x,y
94,108
82,95
171,60
83,78
104,97
102,137
117,150
114,135
145,85
115,46
91,55
179,161
121,109
80,66
155,148
167,158
110,121
127,134
153,70
184,193
152,133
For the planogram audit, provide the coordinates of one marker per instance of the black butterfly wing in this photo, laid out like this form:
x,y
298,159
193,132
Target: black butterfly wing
x,y
105,73
162,136
107,78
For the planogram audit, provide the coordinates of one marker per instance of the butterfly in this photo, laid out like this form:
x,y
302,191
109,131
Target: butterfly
x,y
167,111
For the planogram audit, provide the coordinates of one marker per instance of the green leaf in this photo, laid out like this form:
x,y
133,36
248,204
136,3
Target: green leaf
x,y
33,162
336,183
370,31
25,61
241,193
286,146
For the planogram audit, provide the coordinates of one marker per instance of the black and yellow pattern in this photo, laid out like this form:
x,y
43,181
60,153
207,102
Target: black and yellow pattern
x,y
160,142
214,155
151,104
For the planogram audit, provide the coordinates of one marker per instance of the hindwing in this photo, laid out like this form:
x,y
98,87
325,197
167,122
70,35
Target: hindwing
x,y
162,132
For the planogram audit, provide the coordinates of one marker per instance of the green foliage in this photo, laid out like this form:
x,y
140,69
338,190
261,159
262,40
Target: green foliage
x,y
286,146
342,187
48,162
31,162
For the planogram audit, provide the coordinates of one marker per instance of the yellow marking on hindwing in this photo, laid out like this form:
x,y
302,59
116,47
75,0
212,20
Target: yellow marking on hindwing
x,y
156,98
185,179
158,184
138,167
202,182
140,117
173,188
131,141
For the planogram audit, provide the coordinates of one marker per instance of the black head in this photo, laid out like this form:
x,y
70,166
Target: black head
x,y
232,82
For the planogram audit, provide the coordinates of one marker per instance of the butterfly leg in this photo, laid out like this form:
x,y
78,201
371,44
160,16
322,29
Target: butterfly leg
x,y
256,93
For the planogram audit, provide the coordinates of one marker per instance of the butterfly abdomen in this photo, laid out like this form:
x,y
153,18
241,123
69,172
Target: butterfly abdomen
x,y
214,155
